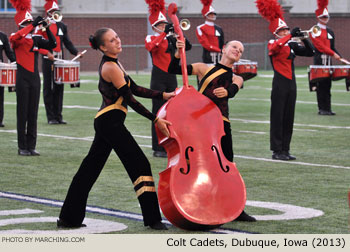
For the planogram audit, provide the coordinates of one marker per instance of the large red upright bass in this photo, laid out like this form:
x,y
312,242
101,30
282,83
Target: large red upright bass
x,y
200,189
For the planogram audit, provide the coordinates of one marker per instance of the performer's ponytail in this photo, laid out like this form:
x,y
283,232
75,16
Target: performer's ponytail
x,y
96,40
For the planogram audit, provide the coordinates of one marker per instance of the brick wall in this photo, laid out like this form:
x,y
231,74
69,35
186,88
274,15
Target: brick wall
x,y
133,31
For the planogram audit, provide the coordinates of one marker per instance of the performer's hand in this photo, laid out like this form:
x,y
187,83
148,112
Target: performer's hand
x,y
336,56
167,96
80,54
50,56
163,126
296,32
220,92
45,24
37,21
169,28
180,44
238,80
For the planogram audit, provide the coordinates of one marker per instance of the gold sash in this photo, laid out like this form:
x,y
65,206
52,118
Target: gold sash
x,y
209,79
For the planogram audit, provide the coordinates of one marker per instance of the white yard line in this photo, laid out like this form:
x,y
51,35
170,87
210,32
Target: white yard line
x,y
301,102
237,156
295,124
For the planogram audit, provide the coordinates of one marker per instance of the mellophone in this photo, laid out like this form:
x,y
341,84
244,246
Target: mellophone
x,y
246,69
318,73
8,75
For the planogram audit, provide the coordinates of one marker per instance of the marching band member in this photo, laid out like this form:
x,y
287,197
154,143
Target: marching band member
x,y
26,43
4,46
210,35
117,89
282,51
325,50
53,93
161,46
219,84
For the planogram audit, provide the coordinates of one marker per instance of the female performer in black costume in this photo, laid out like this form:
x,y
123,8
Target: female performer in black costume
x,y
117,89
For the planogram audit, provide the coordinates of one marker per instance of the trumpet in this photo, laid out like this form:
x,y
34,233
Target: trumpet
x,y
55,16
185,24
315,31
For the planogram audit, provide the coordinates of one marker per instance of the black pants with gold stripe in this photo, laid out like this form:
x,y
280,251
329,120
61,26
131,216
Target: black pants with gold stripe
x,y
111,133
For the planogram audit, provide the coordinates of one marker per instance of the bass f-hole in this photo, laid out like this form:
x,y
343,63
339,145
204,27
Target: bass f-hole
x,y
182,170
225,169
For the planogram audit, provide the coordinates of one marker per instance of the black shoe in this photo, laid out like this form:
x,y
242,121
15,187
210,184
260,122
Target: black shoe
x,y
34,152
161,154
2,125
53,122
23,152
62,122
290,157
62,224
326,112
158,226
245,217
280,156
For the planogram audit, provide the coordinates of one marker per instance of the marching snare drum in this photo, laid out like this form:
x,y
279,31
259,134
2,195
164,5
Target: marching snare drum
x,y
245,69
319,73
340,72
8,75
66,72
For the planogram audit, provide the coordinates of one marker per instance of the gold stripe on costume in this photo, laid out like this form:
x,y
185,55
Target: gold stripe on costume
x,y
111,107
225,119
116,105
145,189
210,78
143,179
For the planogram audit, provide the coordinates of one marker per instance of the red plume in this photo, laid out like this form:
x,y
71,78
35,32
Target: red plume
x,y
269,9
155,6
22,4
321,4
206,2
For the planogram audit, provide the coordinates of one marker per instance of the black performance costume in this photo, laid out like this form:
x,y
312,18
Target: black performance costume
x,y
26,45
4,46
111,134
162,47
53,93
284,91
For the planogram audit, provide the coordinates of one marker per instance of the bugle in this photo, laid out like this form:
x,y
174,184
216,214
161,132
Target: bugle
x,y
55,16
315,31
185,24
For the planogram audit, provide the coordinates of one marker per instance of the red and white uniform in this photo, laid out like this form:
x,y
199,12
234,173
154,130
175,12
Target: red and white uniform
x,y
158,46
211,37
26,45
325,49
